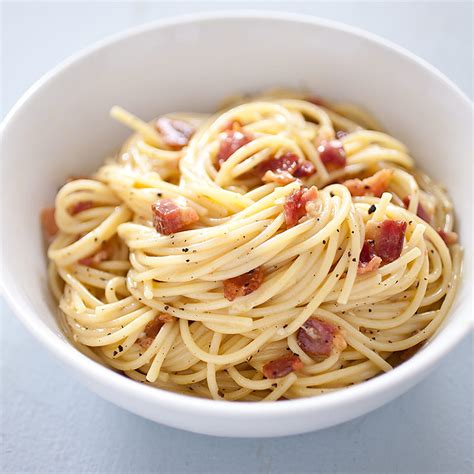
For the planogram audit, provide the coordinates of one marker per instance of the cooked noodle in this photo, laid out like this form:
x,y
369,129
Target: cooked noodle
x,y
208,345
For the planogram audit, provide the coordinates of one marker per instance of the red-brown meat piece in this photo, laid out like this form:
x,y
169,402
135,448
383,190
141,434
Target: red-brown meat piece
x,y
296,205
282,366
368,261
48,224
80,206
421,212
449,238
104,253
243,285
175,133
388,237
153,328
170,217
231,141
318,338
374,185
332,154
316,100
284,169
233,125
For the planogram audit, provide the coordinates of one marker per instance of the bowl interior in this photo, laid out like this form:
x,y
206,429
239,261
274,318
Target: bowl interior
x,y
62,127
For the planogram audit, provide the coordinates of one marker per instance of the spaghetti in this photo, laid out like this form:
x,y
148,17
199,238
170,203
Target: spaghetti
x,y
282,248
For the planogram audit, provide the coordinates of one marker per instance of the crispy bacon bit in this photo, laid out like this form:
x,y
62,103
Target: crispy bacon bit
x,y
153,328
48,224
80,206
233,125
305,169
284,169
170,217
175,133
285,163
319,338
374,185
316,100
300,203
243,285
449,238
281,178
388,237
332,154
368,261
282,366
94,259
104,253
145,342
421,212
230,143
166,318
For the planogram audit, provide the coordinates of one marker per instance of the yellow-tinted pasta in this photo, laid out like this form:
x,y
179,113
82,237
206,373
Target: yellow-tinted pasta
x,y
208,345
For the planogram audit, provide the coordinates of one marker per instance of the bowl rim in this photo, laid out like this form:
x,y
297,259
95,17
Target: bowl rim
x,y
408,372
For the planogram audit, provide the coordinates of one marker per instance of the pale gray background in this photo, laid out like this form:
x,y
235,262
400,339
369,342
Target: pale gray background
x,y
50,423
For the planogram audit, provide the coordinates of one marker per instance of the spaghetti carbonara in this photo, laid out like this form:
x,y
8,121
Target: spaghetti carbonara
x,y
284,247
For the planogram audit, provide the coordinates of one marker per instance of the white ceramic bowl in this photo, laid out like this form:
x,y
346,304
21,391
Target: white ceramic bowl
x,y
61,126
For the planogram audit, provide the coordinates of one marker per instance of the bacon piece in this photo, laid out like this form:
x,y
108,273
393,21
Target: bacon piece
x,y
288,162
421,212
388,237
305,169
48,224
80,206
300,203
316,100
368,261
166,318
449,238
332,154
153,328
94,259
281,178
233,125
243,285
231,142
282,366
284,169
319,338
374,185
170,217
145,342
104,253
175,133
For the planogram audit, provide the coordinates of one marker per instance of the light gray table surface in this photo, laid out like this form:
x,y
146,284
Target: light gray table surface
x,y
51,423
